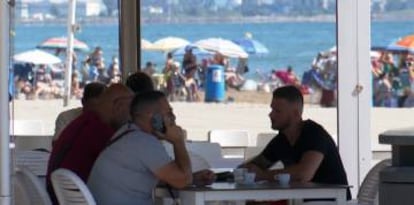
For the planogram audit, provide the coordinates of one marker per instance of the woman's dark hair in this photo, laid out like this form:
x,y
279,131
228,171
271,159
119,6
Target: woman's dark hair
x,y
140,82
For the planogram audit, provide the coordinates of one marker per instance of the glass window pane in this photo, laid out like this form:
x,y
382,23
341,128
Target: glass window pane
x,y
39,75
297,34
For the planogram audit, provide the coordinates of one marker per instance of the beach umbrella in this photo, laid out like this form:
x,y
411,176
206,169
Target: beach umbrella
x,y
36,57
406,41
401,45
61,43
252,46
145,44
195,50
222,46
168,44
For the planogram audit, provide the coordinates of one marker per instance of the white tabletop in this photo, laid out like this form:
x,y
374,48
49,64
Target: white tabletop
x,y
258,191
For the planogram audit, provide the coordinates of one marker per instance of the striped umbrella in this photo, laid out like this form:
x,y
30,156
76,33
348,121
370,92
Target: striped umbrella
x,y
61,43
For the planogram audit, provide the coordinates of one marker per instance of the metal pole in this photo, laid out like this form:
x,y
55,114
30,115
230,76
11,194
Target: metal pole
x,y
5,175
69,50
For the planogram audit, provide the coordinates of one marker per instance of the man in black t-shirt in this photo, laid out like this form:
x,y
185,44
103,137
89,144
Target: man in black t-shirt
x,y
306,149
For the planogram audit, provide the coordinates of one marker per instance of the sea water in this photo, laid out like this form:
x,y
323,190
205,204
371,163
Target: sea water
x,y
289,43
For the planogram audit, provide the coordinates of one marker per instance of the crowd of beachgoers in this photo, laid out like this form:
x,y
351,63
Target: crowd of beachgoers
x,y
182,80
47,81
393,79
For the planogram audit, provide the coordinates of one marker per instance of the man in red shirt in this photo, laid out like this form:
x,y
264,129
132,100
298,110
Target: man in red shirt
x,y
83,139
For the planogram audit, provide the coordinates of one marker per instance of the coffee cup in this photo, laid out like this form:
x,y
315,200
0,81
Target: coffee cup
x,y
239,175
283,178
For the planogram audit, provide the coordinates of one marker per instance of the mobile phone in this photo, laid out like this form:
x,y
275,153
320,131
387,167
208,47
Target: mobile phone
x,y
157,122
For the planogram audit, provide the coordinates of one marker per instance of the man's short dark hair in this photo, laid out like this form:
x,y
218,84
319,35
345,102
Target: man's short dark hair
x,y
139,82
143,101
290,93
92,90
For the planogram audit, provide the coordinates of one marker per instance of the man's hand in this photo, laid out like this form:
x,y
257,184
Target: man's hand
x,y
173,133
260,173
203,177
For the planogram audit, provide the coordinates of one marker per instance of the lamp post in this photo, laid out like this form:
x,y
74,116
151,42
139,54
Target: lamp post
x,y
72,27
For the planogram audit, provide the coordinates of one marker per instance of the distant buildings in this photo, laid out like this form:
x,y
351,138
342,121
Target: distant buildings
x,y
161,9
50,9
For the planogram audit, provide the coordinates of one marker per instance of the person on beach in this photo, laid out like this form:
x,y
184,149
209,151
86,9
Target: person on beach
x,y
308,152
43,83
123,172
149,68
190,69
85,66
84,138
96,56
90,97
168,72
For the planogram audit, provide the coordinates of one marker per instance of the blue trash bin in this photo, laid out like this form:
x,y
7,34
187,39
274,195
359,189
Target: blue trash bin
x,y
215,84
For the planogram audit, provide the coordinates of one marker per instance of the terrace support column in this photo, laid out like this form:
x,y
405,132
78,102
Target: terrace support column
x,y
354,88
5,175
129,33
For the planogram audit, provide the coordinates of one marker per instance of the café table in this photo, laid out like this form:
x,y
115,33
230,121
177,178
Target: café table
x,y
228,191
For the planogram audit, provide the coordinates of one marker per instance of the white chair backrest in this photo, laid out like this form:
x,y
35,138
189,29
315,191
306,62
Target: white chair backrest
x,y
31,142
198,162
264,138
368,191
28,186
70,189
201,153
20,193
209,151
35,161
205,155
229,138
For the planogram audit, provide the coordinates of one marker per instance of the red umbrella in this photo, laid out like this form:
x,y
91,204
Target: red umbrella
x,y
61,43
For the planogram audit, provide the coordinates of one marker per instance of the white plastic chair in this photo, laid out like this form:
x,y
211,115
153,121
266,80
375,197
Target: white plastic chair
x,y
70,189
31,142
212,153
232,142
28,189
35,161
368,192
29,135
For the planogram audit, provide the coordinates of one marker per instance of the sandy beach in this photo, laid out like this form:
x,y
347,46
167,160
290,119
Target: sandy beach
x,y
249,111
